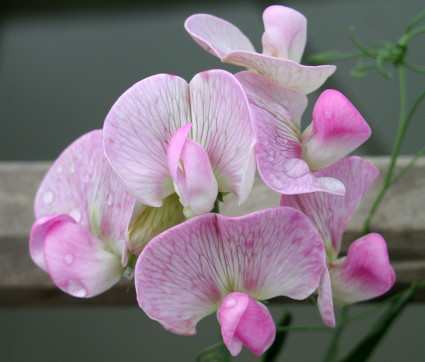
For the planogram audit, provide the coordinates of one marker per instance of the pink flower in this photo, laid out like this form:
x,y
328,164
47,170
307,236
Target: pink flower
x,y
283,45
82,212
285,156
212,262
365,272
170,140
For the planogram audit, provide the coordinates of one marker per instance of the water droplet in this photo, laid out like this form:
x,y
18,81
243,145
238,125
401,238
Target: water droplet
x,y
272,213
72,168
48,197
68,258
75,212
231,303
328,114
76,289
110,199
59,169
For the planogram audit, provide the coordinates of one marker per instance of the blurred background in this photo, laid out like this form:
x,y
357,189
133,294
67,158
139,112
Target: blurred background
x,y
62,66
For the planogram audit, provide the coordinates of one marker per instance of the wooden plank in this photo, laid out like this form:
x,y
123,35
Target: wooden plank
x,y
400,219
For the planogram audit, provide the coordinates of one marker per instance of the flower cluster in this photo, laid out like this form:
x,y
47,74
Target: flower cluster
x,y
142,194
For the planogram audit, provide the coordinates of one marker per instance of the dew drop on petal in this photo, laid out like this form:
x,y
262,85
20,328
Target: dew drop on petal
x,y
110,199
76,289
48,197
68,258
272,213
231,303
59,169
75,212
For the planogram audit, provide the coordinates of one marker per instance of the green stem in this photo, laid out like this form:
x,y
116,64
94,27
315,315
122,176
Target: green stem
x,y
303,329
402,126
333,349
406,37
407,167
418,18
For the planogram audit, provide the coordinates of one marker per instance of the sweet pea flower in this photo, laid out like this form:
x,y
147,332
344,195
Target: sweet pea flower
x,y
82,211
169,140
365,272
285,156
283,45
230,264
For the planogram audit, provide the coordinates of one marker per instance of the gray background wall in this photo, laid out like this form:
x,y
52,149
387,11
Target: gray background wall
x,y
61,71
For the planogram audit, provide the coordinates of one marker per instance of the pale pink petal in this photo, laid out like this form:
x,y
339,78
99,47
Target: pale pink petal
x,y
222,126
82,184
38,233
137,131
325,301
285,33
365,272
284,72
245,321
331,213
278,149
184,273
175,147
200,183
337,129
79,264
215,35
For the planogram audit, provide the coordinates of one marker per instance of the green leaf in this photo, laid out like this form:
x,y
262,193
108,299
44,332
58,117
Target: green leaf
x,y
273,352
366,347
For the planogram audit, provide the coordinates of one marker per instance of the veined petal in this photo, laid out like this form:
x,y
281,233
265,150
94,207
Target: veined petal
x,y
151,221
78,263
284,72
221,121
365,272
331,213
337,129
137,131
215,35
325,301
184,273
38,234
82,184
245,321
278,149
285,33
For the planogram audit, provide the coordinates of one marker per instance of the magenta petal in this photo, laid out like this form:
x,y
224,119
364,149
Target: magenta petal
x,y
331,213
78,263
245,321
285,33
38,234
184,273
276,116
365,272
337,129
